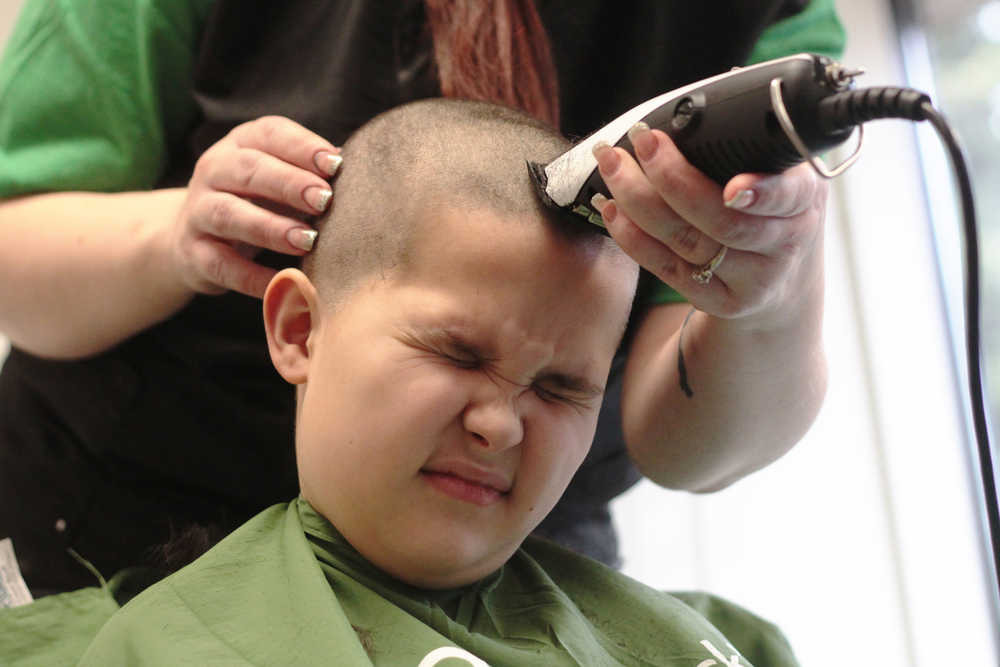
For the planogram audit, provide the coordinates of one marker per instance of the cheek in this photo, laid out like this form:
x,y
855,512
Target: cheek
x,y
420,401
399,409
555,450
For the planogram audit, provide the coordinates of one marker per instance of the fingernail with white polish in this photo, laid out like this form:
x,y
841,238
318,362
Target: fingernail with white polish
x,y
606,157
642,140
636,129
302,238
742,199
329,163
598,201
318,198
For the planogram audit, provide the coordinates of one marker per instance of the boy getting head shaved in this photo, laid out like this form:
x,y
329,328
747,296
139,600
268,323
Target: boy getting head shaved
x,y
451,344
450,341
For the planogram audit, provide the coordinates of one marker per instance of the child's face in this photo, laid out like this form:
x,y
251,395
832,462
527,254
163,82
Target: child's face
x,y
446,408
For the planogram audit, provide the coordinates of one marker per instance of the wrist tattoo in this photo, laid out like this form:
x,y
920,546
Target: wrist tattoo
x,y
681,368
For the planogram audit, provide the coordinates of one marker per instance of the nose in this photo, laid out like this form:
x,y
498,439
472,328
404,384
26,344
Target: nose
x,y
492,416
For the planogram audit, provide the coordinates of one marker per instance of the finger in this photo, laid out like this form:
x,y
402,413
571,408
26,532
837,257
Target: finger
x,y
290,142
231,218
220,265
250,172
739,285
656,257
782,195
645,207
694,196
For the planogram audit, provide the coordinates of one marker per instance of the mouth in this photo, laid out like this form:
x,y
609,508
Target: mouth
x,y
471,485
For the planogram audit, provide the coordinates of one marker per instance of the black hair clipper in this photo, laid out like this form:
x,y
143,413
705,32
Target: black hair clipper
x,y
762,118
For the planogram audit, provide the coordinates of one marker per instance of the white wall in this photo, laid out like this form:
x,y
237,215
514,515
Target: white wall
x,y
863,543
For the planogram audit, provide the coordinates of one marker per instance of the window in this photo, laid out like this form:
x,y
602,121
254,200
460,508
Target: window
x,y
864,543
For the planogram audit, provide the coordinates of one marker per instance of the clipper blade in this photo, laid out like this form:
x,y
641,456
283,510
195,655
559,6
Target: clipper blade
x,y
540,180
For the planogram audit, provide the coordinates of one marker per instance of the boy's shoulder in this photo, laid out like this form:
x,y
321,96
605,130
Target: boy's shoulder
x,y
616,603
222,609
53,630
260,596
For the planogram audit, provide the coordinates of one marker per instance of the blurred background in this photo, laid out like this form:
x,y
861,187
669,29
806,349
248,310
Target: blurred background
x,y
867,544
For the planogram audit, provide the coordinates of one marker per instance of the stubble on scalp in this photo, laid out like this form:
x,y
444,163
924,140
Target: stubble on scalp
x,y
424,156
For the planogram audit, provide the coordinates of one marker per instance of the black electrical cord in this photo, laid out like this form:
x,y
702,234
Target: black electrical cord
x,y
972,321
854,107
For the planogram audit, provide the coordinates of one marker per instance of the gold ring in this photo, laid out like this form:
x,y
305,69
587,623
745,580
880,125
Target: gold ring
x,y
704,273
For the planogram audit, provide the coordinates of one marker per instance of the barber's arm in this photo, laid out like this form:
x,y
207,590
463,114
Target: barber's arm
x,y
80,272
100,256
754,371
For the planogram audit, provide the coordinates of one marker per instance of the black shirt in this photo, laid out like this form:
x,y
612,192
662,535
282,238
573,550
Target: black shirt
x,y
187,422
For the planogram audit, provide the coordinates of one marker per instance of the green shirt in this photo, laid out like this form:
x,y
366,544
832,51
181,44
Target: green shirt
x,y
94,94
285,588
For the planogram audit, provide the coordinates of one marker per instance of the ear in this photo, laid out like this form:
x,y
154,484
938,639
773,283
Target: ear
x,y
290,315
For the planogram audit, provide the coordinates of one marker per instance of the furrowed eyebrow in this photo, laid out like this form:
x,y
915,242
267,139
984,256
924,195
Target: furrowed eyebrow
x,y
571,383
456,341
459,343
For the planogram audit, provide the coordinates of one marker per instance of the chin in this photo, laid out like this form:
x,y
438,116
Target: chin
x,y
446,568
443,580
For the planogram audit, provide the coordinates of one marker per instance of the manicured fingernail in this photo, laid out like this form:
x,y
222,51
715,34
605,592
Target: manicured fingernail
x,y
606,210
607,157
328,162
742,199
317,197
643,141
609,211
302,238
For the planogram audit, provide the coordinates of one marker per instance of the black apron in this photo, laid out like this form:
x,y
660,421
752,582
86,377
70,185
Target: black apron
x,y
187,422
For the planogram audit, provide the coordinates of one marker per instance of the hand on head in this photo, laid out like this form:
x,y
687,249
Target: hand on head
x,y
251,190
674,221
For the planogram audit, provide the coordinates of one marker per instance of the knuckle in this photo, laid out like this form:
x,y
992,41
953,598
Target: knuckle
x,y
816,205
741,233
274,235
292,189
243,133
257,132
268,126
272,121
671,269
669,177
803,195
214,268
801,191
221,216
793,244
206,165
686,238
247,165
204,161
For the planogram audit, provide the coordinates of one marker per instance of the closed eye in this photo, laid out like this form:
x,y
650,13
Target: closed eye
x,y
462,361
550,396
455,353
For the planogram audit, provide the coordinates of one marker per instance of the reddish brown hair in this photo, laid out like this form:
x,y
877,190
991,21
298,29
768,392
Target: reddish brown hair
x,y
495,51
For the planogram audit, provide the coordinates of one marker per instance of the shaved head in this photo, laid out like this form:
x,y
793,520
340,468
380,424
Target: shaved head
x,y
448,327
428,156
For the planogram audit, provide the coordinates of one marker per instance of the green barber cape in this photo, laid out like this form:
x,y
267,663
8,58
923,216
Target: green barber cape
x,y
286,589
